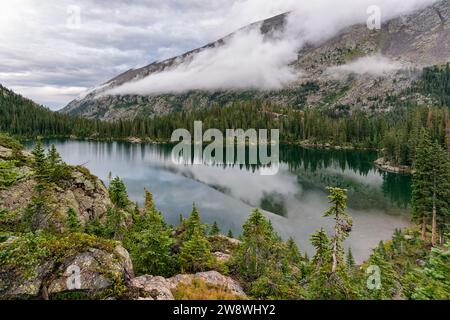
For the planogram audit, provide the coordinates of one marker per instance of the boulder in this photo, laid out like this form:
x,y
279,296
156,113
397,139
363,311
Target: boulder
x,y
60,265
158,288
151,288
94,270
212,278
421,263
5,153
221,256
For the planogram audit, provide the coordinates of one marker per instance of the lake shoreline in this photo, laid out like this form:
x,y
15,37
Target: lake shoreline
x,y
227,194
384,165
381,163
140,140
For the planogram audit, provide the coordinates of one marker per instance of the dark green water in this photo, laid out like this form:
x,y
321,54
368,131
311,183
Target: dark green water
x,y
294,199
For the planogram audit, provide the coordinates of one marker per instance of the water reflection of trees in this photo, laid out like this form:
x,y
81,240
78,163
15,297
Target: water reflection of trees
x,y
397,188
309,165
360,162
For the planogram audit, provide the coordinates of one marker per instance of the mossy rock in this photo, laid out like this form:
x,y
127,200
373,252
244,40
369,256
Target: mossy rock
x,y
41,265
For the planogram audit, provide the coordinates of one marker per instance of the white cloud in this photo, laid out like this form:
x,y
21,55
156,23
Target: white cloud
x,y
373,65
248,60
118,35
49,95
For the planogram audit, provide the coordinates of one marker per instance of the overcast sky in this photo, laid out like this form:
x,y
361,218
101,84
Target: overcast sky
x,y
47,56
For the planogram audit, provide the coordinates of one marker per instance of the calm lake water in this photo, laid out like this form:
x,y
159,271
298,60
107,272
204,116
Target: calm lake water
x,y
294,199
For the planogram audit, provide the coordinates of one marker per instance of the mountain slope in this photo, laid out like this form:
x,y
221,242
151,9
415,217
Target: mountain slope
x,y
333,73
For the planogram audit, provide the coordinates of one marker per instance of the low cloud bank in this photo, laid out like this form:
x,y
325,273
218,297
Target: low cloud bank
x,y
249,60
245,61
373,65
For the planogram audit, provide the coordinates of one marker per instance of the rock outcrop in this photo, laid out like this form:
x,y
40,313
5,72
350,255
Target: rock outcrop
x,y
97,270
213,278
151,288
385,165
83,192
158,288
74,263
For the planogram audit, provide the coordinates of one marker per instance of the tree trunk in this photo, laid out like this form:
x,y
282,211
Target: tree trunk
x,y
333,269
434,224
424,229
447,131
441,237
336,236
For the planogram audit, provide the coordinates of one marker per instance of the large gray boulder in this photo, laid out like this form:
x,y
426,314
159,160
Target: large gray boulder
x,y
213,278
40,268
151,288
158,288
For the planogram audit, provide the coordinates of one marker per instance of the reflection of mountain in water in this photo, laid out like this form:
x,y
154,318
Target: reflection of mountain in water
x,y
360,195
274,202
314,169
297,191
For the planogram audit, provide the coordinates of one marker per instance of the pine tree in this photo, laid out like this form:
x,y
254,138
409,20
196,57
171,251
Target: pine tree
x,y
381,250
195,254
150,241
322,283
321,243
397,241
150,245
95,227
230,234
149,203
115,226
39,161
53,157
38,210
330,278
293,253
350,259
434,283
215,230
73,224
343,223
388,283
192,225
257,246
431,185
57,170
118,193
440,176
421,185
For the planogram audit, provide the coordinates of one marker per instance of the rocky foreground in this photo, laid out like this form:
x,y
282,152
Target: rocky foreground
x,y
87,267
56,263
64,235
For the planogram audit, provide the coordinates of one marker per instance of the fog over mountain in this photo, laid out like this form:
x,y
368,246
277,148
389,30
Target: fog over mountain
x,y
44,55
313,54
248,59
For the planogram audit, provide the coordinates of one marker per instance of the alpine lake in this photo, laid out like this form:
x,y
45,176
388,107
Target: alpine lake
x,y
294,199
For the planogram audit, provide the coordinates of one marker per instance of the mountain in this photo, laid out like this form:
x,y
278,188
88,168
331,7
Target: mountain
x,y
357,69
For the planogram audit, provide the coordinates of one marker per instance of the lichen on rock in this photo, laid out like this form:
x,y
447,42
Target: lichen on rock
x,y
41,265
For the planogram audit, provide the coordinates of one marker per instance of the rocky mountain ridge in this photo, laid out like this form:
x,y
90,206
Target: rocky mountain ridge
x,y
328,78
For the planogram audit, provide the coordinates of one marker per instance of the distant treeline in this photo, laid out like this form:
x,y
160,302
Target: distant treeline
x,y
395,131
